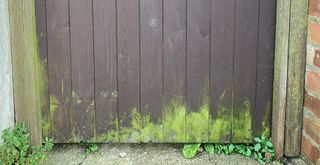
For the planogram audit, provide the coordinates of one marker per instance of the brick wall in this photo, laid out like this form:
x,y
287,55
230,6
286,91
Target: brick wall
x,y
311,121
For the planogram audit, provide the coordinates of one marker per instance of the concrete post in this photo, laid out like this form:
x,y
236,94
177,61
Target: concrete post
x,y
6,90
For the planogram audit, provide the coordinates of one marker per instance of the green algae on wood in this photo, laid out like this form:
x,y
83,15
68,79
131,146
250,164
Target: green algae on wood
x,y
131,134
266,121
241,126
197,125
220,126
54,103
47,124
173,121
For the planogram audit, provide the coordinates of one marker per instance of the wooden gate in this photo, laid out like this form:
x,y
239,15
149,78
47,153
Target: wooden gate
x,y
157,70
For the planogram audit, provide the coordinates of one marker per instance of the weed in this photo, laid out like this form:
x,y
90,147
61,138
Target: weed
x,y
17,150
262,149
89,147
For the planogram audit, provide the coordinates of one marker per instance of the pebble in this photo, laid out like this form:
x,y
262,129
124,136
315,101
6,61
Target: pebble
x,y
123,154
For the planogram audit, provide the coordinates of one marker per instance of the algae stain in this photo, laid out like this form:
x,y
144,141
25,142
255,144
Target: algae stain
x,y
131,133
242,130
54,104
173,126
197,124
266,121
220,126
46,122
150,131
174,122
46,127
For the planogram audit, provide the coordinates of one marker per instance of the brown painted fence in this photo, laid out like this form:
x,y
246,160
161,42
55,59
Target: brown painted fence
x,y
157,70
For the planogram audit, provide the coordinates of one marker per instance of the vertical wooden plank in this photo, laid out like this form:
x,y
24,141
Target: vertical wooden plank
x,y
58,122
151,69
41,23
174,66
280,75
27,67
245,61
262,113
82,67
198,60
221,71
105,58
128,70
296,75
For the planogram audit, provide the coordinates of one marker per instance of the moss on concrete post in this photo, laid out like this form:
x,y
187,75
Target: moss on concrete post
x,y
27,68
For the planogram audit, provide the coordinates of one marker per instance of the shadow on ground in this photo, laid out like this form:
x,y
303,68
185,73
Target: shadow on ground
x,y
142,154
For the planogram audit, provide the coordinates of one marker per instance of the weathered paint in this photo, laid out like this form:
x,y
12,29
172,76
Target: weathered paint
x,y
6,93
29,84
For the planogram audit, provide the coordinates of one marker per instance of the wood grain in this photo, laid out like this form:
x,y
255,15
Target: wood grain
x,y
245,63
151,67
221,70
105,63
296,75
41,25
60,118
198,60
27,68
265,63
174,69
129,67
280,76
82,67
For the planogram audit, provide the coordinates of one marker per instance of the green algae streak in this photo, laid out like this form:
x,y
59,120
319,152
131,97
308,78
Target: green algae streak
x,y
174,128
177,124
242,130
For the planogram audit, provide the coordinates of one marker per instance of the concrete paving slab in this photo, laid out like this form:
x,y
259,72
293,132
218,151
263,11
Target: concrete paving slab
x,y
143,154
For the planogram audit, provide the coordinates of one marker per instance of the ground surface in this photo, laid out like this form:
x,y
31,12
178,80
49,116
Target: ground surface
x,y
142,154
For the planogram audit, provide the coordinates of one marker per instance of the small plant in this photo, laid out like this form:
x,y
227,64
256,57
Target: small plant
x,y
262,149
190,150
89,147
17,150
